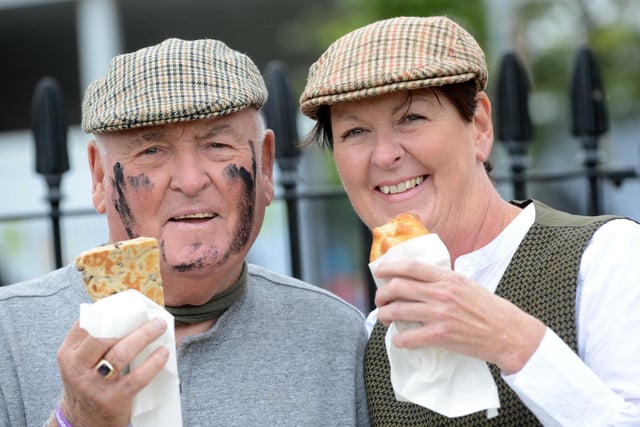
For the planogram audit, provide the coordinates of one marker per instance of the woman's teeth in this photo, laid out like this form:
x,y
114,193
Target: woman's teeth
x,y
401,187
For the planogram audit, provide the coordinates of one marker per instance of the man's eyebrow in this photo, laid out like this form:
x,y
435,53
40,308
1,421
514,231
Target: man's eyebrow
x,y
152,134
215,130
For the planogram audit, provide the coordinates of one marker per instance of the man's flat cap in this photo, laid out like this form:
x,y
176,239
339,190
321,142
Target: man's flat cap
x,y
174,81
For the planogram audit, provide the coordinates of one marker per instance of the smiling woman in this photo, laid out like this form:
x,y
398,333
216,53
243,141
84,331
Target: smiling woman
x,y
402,103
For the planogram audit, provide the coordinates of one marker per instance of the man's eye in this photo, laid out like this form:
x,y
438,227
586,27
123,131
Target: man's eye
x,y
151,150
216,145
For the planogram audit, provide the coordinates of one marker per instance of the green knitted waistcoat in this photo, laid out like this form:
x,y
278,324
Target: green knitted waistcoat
x,y
541,280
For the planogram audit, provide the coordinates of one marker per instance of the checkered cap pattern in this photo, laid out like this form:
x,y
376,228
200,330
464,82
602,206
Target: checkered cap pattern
x,y
174,81
396,54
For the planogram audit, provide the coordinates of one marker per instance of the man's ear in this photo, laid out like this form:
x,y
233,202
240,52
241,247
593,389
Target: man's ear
x,y
267,163
97,177
484,127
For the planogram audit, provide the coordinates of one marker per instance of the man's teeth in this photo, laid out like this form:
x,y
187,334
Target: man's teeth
x,y
401,187
196,216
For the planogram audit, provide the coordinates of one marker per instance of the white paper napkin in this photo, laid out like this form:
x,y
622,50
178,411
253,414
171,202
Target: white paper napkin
x,y
441,380
158,404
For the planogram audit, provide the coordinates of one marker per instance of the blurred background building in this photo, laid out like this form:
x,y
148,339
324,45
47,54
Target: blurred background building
x,y
74,40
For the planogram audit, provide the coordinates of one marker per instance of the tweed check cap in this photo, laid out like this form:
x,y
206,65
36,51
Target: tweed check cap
x,y
395,54
174,81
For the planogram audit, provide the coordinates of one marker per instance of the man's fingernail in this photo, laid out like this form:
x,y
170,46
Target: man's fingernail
x,y
158,323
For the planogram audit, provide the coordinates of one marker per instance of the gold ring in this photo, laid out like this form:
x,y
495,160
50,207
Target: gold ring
x,y
105,369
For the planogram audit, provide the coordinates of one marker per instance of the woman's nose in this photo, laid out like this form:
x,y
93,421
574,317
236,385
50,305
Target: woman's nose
x,y
387,152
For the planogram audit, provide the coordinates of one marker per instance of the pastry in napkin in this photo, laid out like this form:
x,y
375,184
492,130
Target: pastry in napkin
x,y
446,382
124,281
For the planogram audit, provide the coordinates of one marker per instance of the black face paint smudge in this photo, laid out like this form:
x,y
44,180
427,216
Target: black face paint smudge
x,y
140,181
191,266
120,200
194,265
247,203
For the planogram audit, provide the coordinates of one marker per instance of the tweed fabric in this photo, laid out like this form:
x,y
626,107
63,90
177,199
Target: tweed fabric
x,y
395,54
541,279
174,81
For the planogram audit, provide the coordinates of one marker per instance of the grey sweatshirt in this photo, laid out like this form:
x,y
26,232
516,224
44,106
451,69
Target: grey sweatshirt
x,y
288,353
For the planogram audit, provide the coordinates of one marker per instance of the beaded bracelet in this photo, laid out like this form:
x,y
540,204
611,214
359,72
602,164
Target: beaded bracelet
x,y
61,419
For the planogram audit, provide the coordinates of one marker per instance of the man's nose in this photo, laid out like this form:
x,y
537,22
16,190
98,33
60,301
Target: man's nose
x,y
190,174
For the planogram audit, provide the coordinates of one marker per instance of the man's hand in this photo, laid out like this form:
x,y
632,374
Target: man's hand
x,y
456,314
89,397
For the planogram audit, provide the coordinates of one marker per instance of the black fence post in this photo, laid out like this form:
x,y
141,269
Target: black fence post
x,y
513,120
281,115
589,118
367,241
49,128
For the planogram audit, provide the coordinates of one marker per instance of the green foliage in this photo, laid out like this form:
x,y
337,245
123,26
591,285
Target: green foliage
x,y
470,14
352,14
611,30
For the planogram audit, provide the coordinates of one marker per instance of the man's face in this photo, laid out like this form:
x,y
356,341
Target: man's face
x,y
199,187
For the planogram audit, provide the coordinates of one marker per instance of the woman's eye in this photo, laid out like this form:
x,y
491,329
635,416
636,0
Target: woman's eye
x,y
352,132
412,117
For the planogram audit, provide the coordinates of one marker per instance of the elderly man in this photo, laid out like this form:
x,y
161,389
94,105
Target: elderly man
x,y
180,153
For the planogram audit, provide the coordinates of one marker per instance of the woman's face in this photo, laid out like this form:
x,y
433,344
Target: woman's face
x,y
411,152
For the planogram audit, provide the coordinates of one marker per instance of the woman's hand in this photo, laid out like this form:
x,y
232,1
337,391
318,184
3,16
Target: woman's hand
x,y
456,313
